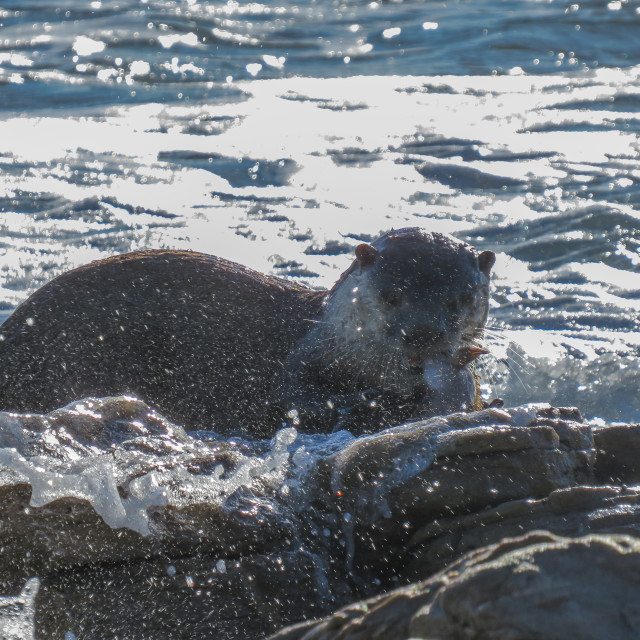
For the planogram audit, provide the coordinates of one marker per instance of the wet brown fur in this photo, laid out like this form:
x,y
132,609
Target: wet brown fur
x,y
210,343
197,337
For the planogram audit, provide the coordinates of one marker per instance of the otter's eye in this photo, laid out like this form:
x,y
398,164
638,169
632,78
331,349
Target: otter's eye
x,y
391,297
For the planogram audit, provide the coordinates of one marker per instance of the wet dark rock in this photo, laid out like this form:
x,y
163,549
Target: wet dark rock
x,y
395,482
190,597
569,512
488,519
86,427
618,461
534,586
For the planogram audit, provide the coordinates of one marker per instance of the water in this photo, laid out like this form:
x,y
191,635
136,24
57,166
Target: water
x,y
280,134
17,613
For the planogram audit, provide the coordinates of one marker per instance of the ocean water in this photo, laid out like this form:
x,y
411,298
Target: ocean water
x,y
280,134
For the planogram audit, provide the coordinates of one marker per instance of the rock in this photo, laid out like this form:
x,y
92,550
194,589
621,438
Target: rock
x,y
138,529
85,427
388,485
538,586
199,596
617,459
569,512
541,586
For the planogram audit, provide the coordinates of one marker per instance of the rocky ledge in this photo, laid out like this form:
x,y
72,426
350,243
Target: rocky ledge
x,y
535,586
505,523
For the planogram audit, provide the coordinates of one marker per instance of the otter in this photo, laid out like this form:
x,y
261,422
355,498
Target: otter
x,y
212,344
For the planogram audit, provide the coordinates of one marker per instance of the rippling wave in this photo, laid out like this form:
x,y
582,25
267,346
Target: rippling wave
x,y
91,54
279,135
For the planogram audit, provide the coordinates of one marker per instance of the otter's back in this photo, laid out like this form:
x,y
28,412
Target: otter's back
x,y
197,337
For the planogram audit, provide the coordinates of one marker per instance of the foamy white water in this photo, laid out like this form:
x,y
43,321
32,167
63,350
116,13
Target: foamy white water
x,y
17,613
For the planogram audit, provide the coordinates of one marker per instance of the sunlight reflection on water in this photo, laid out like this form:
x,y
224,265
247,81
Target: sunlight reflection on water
x,y
163,124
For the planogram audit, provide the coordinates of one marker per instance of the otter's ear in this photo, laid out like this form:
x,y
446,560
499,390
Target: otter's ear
x,y
366,255
486,260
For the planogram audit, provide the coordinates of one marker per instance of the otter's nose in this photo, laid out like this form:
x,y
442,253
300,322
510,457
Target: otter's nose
x,y
423,337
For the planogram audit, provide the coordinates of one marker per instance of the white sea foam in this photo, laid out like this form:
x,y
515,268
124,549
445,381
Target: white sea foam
x,y
17,613
271,469
92,479
97,479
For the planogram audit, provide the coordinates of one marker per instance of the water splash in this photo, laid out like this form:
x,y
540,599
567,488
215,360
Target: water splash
x,y
136,475
17,613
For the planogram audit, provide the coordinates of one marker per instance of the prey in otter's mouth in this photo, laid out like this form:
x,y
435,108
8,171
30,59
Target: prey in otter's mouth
x,y
403,325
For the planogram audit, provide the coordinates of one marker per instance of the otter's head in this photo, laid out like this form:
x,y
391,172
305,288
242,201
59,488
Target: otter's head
x,y
409,298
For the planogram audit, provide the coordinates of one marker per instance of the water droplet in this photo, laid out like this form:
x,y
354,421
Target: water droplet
x,y
254,68
392,32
